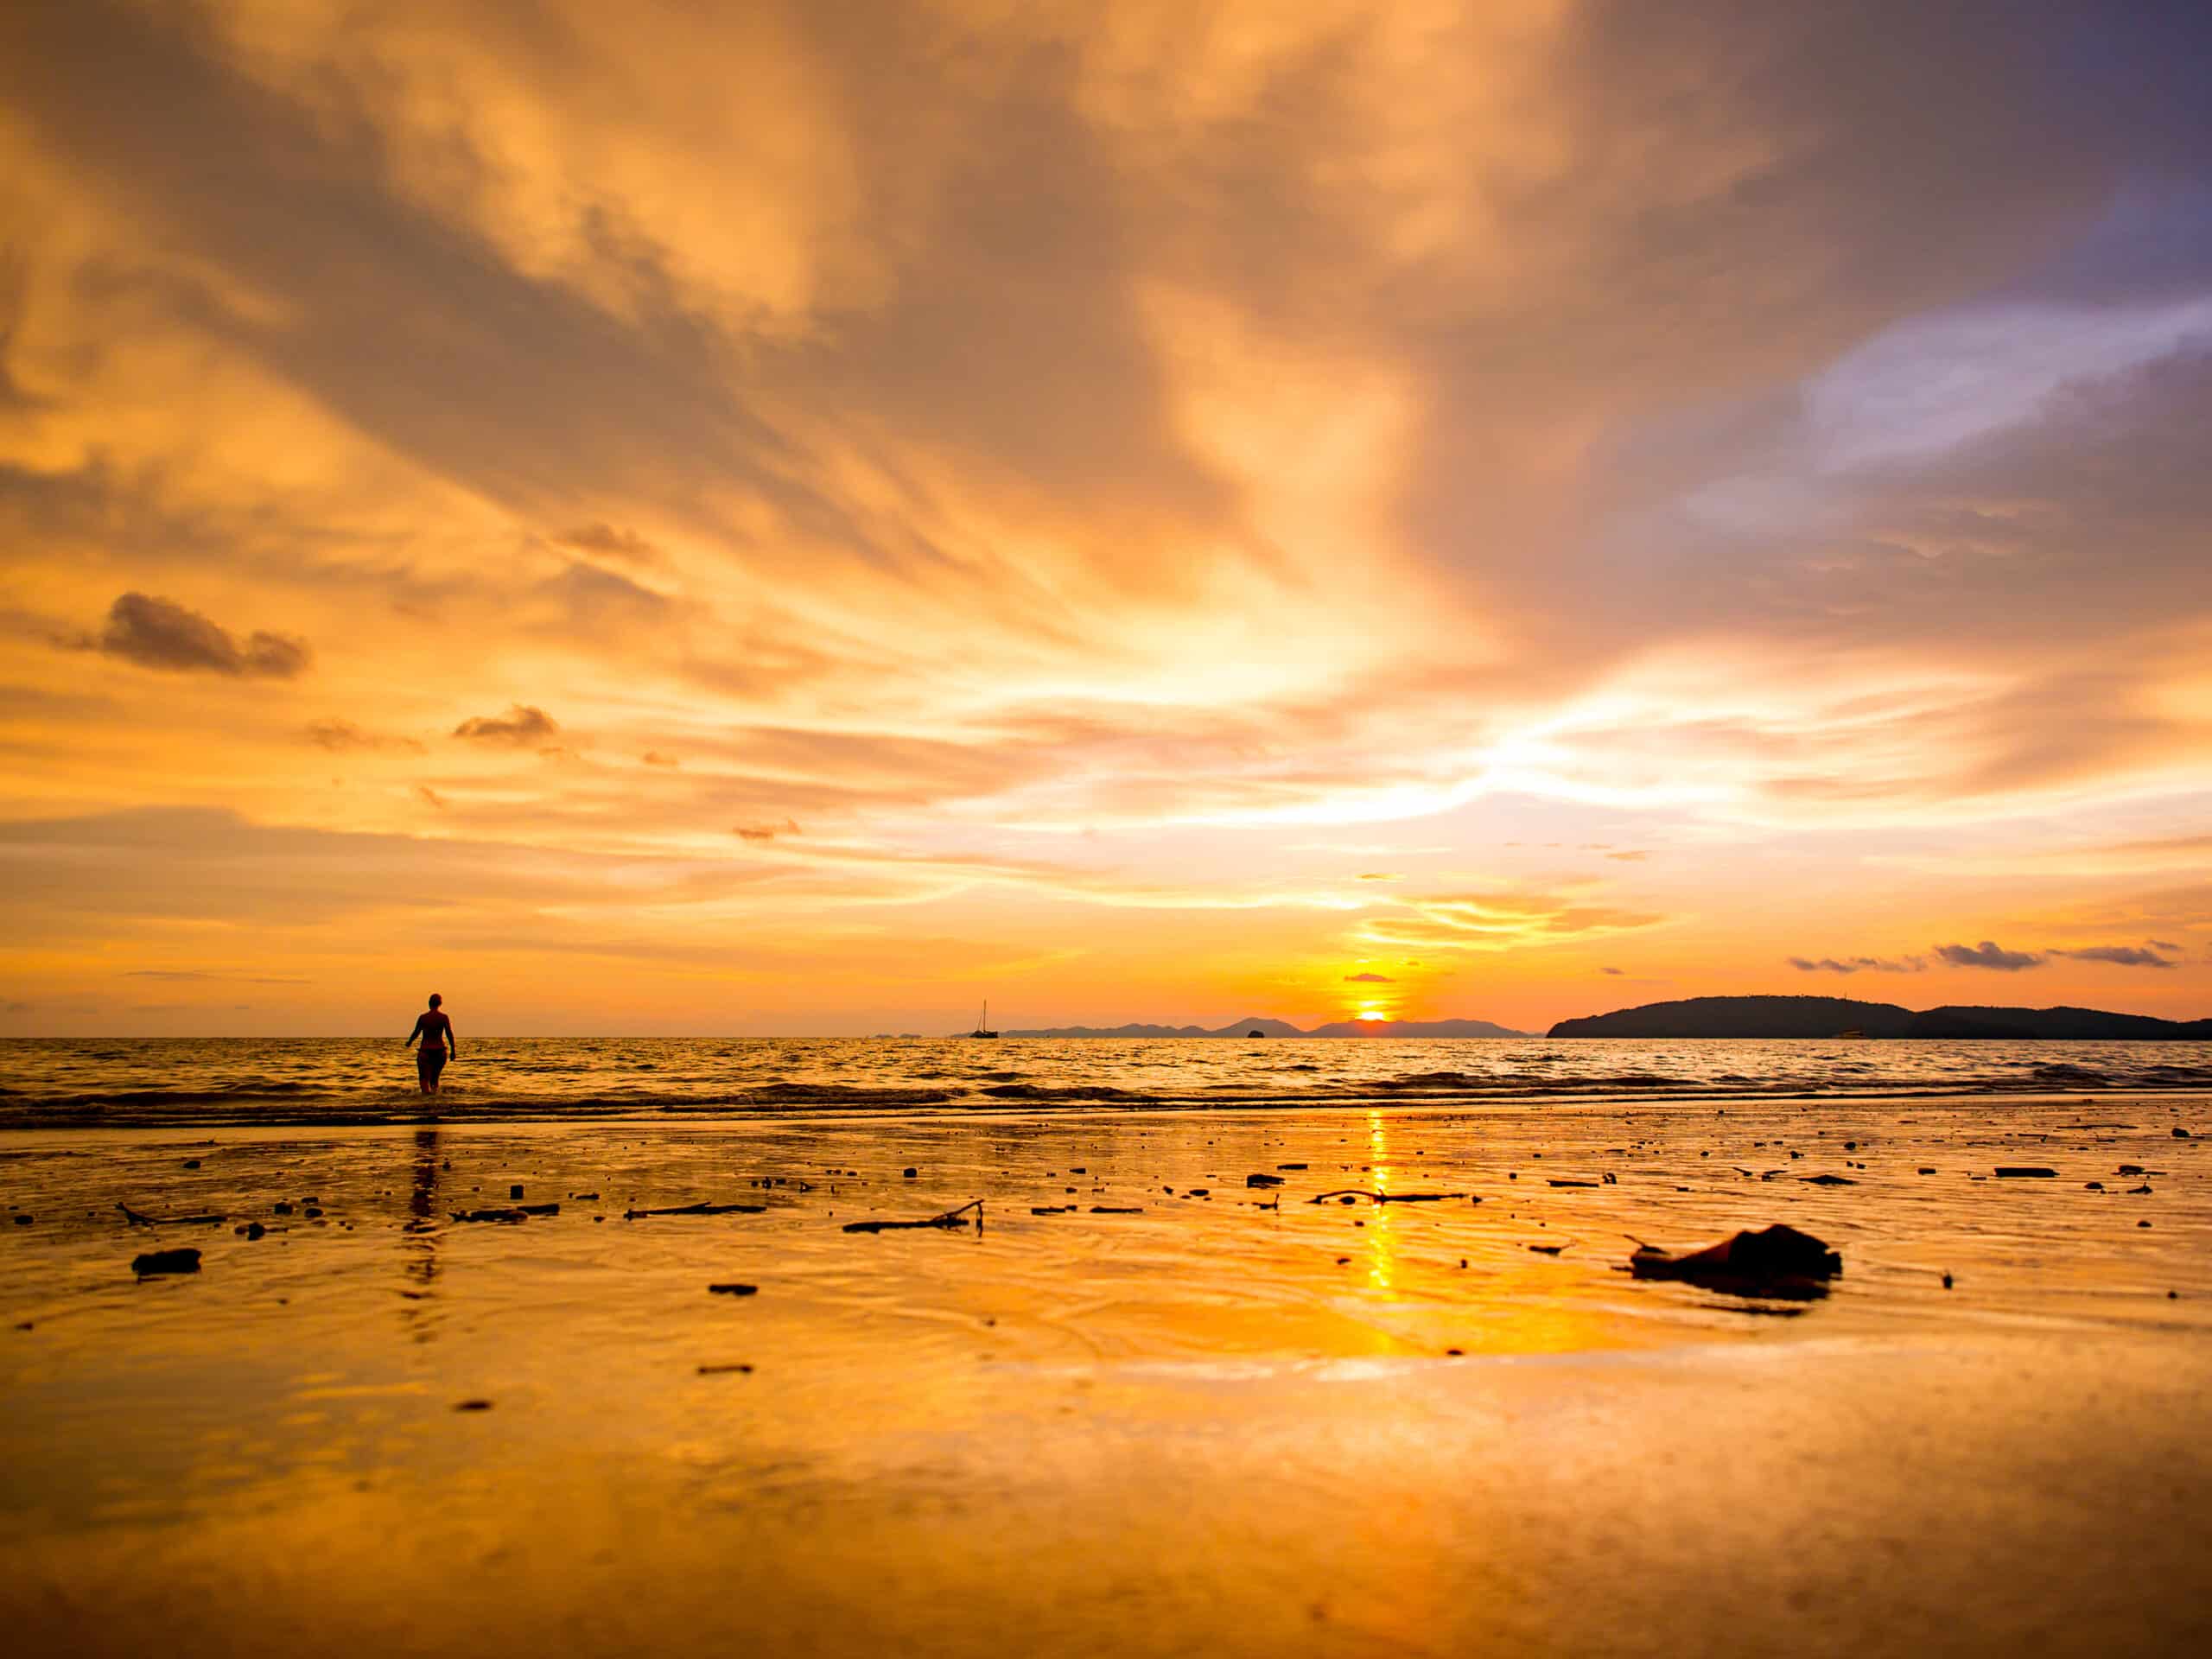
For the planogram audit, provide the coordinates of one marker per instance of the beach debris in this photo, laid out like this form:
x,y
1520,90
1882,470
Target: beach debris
x,y
733,1290
192,1163
1290,1166
1778,1261
251,1230
2024,1172
1547,1250
699,1210
1947,1281
585,1198
2092,1186
2136,1192
23,1220
153,1261
950,1218
1827,1181
1052,1209
507,1215
539,1209
1116,1210
721,1370
1263,1180
1571,1183
472,1405
135,1219
283,1207
1354,1194
1928,1169
2130,1169
2180,1134
515,1192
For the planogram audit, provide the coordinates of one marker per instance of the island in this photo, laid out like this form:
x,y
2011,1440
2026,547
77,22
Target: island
x,y
1839,1016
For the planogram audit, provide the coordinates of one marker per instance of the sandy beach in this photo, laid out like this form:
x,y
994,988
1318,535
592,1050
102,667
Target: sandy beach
x,y
1231,1419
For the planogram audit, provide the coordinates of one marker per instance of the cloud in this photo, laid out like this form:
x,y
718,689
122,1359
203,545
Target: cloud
x,y
655,757
342,735
2121,956
610,543
1616,972
522,723
1990,954
160,633
1633,857
765,832
429,797
1859,964
1369,979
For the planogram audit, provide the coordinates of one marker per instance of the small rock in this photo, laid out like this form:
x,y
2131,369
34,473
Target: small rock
x,y
733,1290
2181,1133
282,1207
192,1163
472,1405
1947,1281
22,1221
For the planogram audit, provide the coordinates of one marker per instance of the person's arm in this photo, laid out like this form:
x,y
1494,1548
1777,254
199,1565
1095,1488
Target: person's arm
x,y
413,1034
453,1049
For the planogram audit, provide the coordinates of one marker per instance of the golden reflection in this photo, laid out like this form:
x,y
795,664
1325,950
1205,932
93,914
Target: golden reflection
x,y
419,1236
1382,1238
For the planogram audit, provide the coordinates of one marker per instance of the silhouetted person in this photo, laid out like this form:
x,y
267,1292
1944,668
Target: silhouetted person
x,y
436,1032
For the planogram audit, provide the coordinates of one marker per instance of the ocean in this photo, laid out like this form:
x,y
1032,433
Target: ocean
x,y
182,1082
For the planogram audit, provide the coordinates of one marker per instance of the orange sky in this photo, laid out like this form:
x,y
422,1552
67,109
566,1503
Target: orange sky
x,y
797,521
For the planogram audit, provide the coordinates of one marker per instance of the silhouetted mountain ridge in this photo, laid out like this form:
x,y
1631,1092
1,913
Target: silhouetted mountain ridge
x,y
1284,1028
1832,1016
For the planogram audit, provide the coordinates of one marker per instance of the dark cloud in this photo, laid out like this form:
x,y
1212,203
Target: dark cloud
x,y
1988,953
1616,972
2120,955
1369,979
1858,964
160,633
522,723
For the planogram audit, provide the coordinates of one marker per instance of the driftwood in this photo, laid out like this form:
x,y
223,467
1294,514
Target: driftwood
x,y
950,1218
1116,1210
698,1210
1384,1197
509,1217
135,1219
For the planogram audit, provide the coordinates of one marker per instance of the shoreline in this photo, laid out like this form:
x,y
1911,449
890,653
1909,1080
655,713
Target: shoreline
x,y
263,1113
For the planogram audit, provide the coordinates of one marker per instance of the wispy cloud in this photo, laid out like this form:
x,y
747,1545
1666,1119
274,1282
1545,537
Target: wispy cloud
x,y
1860,964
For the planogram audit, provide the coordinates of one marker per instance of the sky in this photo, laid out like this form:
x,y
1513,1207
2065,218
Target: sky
x,y
795,519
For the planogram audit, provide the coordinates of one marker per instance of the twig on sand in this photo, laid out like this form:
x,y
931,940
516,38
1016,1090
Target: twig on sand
x,y
699,1210
1384,1197
135,1219
950,1218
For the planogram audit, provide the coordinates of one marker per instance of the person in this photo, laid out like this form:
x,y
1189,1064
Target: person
x,y
436,1031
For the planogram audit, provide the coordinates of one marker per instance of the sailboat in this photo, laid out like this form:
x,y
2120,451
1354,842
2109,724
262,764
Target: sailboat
x,y
984,1022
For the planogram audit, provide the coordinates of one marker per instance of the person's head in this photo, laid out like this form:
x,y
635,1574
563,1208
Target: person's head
x,y
435,999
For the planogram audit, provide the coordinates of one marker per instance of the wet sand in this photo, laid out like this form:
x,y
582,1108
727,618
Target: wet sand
x,y
1209,1427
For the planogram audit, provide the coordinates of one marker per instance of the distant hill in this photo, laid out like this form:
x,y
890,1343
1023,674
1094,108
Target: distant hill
x,y
1414,1028
1831,1016
1284,1028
